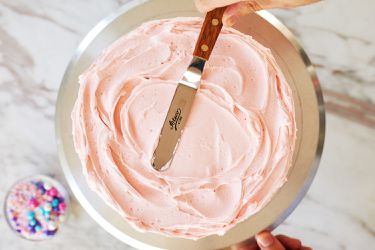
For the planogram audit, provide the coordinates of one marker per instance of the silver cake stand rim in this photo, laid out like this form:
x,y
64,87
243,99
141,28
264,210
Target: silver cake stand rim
x,y
96,30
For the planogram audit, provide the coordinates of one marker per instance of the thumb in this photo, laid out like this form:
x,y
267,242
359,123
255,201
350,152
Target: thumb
x,y
267,241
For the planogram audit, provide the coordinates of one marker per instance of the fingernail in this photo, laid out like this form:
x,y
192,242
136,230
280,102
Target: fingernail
x,y
229,21
265,239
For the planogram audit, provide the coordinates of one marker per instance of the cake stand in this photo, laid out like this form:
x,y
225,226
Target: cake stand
x,y
310,120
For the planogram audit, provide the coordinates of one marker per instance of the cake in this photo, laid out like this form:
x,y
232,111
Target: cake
x,y
236,148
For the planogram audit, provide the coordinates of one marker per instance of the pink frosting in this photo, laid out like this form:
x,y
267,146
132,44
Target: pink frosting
x,y
236,148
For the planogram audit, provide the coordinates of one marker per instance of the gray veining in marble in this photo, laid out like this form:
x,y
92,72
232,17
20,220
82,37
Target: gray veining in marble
x,y
337,34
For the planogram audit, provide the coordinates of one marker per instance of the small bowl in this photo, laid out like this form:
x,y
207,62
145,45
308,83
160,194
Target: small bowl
x,y
35,207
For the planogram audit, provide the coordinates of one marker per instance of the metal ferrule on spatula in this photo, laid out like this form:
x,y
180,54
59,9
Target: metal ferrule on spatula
x,y
182,101
192,76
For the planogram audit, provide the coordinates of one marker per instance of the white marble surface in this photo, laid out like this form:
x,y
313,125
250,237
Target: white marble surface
x,y
338,38
37,39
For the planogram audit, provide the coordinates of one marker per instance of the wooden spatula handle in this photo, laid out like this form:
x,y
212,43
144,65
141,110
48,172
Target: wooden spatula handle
x,y
210,31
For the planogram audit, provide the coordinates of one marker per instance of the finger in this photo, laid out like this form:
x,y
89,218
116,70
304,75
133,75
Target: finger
x,y
249,247
270,4
234,11
289,243
305,248
204,6
231,14
267,241
249,244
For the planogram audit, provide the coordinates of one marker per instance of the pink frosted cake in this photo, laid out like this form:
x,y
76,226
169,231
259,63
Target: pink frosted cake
x,y
235,151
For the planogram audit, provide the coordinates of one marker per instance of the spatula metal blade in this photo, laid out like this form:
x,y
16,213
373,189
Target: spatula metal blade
x,y
177,115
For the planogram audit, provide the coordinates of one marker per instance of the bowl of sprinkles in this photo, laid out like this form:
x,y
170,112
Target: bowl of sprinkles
x,y
36,207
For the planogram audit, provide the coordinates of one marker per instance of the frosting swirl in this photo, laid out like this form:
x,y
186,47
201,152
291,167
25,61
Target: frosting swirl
x,y
235,150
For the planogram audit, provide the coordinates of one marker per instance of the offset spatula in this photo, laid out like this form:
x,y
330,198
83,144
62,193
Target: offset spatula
x,y
187,87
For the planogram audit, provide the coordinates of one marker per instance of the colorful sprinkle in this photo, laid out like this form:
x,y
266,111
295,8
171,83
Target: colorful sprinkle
x,y
33,203
62,206
55,202
47,186
47,214
32,222
48,198
52,192
51,225
31,215
50,232
36,208
47,207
